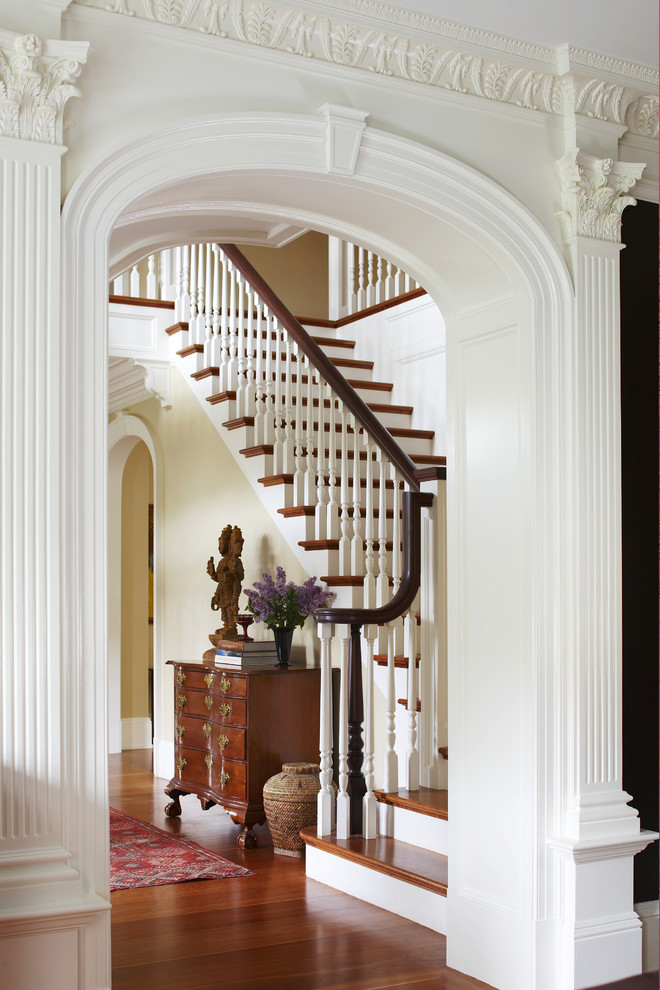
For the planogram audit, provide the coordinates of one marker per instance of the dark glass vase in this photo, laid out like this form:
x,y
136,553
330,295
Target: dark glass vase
x,y
283,636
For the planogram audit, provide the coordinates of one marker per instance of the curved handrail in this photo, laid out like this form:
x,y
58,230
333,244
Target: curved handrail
x,y
352,401
412,504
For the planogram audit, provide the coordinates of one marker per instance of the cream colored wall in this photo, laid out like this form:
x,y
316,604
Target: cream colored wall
x,y
203,489
136,638
297,272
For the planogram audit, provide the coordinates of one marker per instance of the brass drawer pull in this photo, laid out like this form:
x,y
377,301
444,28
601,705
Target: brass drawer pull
x,y
180,730
180,677
181,700
224,778
225,685
208,701
208,678
206,729
209,761
222,741
181,763
224,709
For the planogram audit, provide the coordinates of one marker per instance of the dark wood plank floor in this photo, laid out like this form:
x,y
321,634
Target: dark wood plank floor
x,y
276,930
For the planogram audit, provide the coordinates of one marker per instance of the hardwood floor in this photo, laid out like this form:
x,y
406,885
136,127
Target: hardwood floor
x,y
276,930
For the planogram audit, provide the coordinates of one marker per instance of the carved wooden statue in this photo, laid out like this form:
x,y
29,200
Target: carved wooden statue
x,y
229,575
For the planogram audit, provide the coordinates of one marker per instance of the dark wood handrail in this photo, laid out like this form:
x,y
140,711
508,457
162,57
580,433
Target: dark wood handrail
x,y
412,503
352,401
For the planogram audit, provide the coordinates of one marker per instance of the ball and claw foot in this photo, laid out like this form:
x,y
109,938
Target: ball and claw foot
x,y
173,809
247,839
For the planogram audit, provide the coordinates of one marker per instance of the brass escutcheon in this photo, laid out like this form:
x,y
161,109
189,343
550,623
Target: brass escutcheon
x,y
180,730
225,684
222,741
181,763
206,729
180,677
208,701
224,709
224,778
181,700
209,680
209,761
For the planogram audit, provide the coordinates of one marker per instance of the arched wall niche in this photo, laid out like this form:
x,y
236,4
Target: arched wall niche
x,y
506,295
124,433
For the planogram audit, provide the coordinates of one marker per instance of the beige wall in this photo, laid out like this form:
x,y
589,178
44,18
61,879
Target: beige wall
x,y
136,637
203,489
297,272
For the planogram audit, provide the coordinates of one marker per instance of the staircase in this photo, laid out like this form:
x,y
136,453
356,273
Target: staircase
x,y
337,463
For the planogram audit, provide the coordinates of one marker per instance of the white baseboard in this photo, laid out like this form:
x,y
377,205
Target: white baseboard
x,y
415,903
136,733
648,915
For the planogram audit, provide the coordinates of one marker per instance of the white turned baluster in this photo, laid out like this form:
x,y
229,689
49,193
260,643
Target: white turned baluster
x,y
325,800
192,318
412,754
135,282
350,279
269,411
391,775
122,285
357,543
369,805
389,280
398,281
224,328
288,459
178,287
260,384
199,335
380,282
278,453
208,305
299,435
382,581
345,541
406,282
185,285
166,278
240,345
231,330
249,398
396,554
343,803
362,281
332,532
321,513
152,280
309,490
369,584
371,279
214,355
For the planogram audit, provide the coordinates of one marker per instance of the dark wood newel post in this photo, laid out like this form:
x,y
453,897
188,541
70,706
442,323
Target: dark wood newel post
x,y
356,787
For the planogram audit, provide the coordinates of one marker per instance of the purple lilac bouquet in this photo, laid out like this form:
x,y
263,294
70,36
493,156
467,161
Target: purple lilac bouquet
x,y
282,603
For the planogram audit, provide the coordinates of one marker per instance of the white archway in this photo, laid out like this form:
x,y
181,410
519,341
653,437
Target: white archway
x,y
507,298
124,432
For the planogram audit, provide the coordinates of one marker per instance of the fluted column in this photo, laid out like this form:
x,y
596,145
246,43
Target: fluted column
x,y
47,907
601,832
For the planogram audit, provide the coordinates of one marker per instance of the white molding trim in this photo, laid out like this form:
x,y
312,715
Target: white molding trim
x,y
648,914
136,733
476,68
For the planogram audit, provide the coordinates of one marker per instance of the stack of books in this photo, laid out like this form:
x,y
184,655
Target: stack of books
x,y
244,653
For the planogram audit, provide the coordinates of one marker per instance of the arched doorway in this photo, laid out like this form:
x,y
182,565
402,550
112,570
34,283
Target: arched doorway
x,y
507,300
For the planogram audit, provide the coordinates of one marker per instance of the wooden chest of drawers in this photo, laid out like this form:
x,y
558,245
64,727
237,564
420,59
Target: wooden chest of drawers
x,y
234,728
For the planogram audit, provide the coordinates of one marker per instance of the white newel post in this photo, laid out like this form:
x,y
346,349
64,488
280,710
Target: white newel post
x,y
54,917
600,933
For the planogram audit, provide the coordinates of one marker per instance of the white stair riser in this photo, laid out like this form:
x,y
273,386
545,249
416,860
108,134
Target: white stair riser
x,y
397,896
415,829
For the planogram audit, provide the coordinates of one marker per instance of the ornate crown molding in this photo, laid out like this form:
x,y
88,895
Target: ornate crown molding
x,y
36,81
388,51
594,194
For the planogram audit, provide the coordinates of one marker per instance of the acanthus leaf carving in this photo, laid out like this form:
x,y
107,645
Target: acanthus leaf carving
x,y
36,81
595,194
275,25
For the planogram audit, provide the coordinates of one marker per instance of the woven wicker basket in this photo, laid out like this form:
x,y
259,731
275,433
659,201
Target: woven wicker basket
x,y
290,804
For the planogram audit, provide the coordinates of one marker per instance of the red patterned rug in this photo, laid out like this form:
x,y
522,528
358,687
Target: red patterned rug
x,y
142,855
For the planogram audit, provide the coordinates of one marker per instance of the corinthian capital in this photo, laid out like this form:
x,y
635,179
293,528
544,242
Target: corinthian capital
x,y
36,80
594,194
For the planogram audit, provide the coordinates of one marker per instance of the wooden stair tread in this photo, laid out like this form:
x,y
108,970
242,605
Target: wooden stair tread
x,y
179,327
298,510
228,396
374,386
191,349
333,342
205,373
404,702
399,661
425,801
388,856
